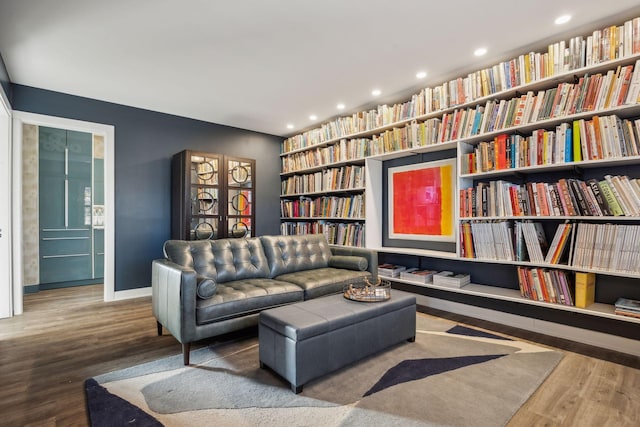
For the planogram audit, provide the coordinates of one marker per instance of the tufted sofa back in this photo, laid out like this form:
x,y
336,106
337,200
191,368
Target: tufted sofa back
x,y
223,260
287,254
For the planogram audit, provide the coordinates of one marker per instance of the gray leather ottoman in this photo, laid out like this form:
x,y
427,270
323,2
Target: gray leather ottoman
x,y
306,340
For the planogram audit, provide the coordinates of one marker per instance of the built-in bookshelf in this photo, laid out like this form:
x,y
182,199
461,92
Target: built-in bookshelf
x,y
548,137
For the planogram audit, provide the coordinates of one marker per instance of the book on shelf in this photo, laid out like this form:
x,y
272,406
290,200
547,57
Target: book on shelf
x,y
535,240
585,289
627,307
451,279
628,304
417,275
559,244
390,270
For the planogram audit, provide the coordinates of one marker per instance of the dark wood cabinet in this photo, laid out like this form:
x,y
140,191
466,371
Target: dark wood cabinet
x,y
212,196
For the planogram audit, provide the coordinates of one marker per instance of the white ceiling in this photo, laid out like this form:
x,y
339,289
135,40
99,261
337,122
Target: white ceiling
x,y
259,64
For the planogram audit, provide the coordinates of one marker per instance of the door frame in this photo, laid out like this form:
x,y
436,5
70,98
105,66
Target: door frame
x,y
7,309
108,132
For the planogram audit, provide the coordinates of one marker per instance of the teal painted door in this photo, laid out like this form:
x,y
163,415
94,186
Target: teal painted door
x,y
65,169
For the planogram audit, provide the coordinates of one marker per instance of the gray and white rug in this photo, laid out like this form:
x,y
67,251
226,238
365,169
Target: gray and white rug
x,y
451,376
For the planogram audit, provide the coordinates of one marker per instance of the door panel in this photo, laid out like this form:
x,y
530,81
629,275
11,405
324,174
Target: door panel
x,y
65,205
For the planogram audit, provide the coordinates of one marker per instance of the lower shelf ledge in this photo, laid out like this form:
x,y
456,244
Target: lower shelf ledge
x,y
512,295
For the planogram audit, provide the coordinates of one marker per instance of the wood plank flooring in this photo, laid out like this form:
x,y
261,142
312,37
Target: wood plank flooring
x,y
68,335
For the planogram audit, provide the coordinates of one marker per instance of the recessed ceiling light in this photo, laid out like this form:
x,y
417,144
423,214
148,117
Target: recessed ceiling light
x,y
376,92
562,19
480,51
421,74
289,126
340,106
313,117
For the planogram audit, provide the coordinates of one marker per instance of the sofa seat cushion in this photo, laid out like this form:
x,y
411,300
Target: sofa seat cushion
x,y
243,297
324,281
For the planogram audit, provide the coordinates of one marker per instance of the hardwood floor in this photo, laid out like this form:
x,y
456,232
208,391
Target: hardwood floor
x,y
68,335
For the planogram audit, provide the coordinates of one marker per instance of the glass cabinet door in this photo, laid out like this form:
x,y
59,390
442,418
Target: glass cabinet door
x,y
205,180
239,197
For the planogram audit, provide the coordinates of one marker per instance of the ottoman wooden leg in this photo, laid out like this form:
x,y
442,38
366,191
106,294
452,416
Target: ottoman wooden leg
x,y
296,389
412,339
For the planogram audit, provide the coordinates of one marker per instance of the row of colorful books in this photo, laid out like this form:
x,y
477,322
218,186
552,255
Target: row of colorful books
x,y
345,149
337,233
615,195
325,206
608,139
342,178
603,137
603,45
590,93
548,285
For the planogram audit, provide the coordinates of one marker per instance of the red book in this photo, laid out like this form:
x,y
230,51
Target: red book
x,y
624,86
500,142
565,197
542,198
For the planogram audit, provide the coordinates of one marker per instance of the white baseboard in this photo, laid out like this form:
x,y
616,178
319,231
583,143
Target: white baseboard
x,y
132,293
598,339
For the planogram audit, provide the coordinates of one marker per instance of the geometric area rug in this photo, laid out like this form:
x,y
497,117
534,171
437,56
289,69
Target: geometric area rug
x,y
450,376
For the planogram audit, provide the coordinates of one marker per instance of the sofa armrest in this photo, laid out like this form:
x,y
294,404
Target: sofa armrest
x,y
173,295
370,255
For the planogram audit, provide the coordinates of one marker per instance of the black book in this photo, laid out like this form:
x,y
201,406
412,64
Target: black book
x,y
595,188
576,195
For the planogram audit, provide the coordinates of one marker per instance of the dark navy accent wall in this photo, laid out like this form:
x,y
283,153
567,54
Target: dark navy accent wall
x,y
5,83
144,143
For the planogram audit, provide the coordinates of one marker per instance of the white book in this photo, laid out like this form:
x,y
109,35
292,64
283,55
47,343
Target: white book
x,y
634,86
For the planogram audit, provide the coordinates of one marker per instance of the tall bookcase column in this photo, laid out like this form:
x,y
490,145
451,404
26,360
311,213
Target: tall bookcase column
x,y
324,188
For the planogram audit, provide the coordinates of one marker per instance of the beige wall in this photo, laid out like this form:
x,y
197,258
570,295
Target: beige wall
x,y
30,223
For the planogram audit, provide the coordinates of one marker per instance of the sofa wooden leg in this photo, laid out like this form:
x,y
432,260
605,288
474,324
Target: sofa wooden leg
x,y
186,347
159,328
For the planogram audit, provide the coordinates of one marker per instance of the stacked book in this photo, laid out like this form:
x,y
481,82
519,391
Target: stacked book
x,y
448,278
627,307
417,275
390,270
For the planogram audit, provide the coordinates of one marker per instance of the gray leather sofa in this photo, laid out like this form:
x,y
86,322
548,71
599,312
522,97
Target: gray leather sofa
x,y
206,288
